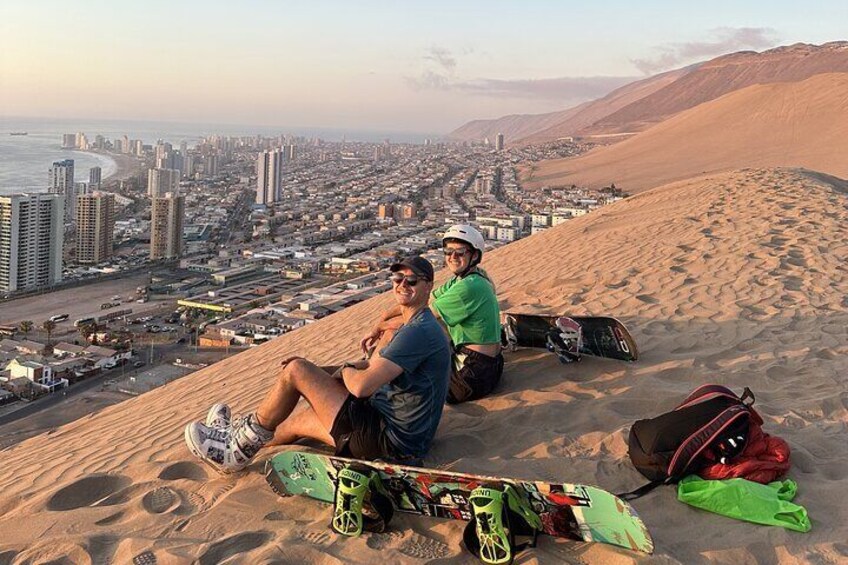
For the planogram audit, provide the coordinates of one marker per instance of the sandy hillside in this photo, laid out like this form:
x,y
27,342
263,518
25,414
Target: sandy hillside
x,y
722,75
803,124
739,278
535,128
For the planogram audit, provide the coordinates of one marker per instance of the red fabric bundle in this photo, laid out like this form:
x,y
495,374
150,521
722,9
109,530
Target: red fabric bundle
x,y
764,459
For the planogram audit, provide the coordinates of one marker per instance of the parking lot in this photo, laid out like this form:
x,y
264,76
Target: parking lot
x,y
79,302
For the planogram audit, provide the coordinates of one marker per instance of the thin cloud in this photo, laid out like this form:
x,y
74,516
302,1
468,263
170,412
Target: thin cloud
x,y
562,88
441,57
726,40
439,73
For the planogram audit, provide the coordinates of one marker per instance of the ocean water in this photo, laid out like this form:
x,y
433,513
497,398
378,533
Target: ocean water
x,y
26,160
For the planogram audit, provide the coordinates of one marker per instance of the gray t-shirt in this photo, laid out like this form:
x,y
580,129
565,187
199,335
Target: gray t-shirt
x,y
412,402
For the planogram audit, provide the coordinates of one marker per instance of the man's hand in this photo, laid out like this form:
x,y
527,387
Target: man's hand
x,y
370,340
358,365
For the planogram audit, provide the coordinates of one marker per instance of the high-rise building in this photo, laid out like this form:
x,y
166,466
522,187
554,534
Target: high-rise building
x,y
188,165
269,177
210,165
61,181
137,147
31,237
166,226
408,212
169,160
499,142
95,224
125,144
160,181
290,152
94,175
385,211
69,141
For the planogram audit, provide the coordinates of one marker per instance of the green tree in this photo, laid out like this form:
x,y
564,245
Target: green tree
x,y
86,330
48,326
26,326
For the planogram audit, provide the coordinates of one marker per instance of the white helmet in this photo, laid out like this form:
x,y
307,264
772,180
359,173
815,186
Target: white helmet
x,y
467,234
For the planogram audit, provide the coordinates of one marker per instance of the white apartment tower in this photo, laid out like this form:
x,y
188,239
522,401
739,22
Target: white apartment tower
x,y
160,181
95,227
61,181
31,237
269,177
166,226
499,142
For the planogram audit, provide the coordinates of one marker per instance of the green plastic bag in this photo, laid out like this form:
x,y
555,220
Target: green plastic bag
x,y
746,500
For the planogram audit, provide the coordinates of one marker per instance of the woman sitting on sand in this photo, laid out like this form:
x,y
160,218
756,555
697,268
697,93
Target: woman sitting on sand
x,y
467,307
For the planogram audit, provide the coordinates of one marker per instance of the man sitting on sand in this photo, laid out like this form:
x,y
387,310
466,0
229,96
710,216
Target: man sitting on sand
x,y
387,407
468,307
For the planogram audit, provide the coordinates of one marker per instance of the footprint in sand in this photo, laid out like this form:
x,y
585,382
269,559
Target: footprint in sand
x,y
160,500
102,548
87,492
320,538
383,540
145,558
421,547
109,520
184,470
234,545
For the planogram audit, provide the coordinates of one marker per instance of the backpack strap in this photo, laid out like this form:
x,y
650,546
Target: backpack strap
x,y
641,491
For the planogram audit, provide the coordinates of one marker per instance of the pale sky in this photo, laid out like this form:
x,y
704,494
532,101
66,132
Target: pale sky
x,y
402,66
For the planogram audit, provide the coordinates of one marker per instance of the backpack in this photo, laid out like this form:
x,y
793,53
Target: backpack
x,y
710,426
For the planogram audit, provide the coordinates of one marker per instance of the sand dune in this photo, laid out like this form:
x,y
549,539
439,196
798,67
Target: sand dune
x,y
639,105
535,128
581,123
801,124
739,278
722,75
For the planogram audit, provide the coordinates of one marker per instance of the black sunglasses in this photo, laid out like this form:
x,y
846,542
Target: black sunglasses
x,y
456,252
398,278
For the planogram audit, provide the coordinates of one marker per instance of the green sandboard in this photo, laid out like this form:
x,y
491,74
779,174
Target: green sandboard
x,y
577,512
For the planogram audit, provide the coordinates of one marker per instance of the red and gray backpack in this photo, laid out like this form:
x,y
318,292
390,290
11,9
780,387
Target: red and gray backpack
x,y
709,426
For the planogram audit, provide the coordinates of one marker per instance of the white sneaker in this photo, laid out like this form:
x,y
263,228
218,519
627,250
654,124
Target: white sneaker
x,y
219,416
228,450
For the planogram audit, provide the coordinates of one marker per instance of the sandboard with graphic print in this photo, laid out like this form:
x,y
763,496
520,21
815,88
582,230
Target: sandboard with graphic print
x,y
579,512
569,336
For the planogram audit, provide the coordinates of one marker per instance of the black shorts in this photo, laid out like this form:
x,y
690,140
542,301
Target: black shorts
x,y
479,376
359,431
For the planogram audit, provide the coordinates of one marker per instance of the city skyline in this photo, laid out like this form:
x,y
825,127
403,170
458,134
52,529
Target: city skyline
x,y
425,67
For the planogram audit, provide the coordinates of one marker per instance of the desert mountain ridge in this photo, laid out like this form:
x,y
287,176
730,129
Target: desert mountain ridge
x,y
637,106
789,124
738,278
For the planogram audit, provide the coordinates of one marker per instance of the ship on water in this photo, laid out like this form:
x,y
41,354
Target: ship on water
x,y
19,133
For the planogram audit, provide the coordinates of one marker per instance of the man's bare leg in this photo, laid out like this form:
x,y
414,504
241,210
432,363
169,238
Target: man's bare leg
x,y
301,378
302,424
